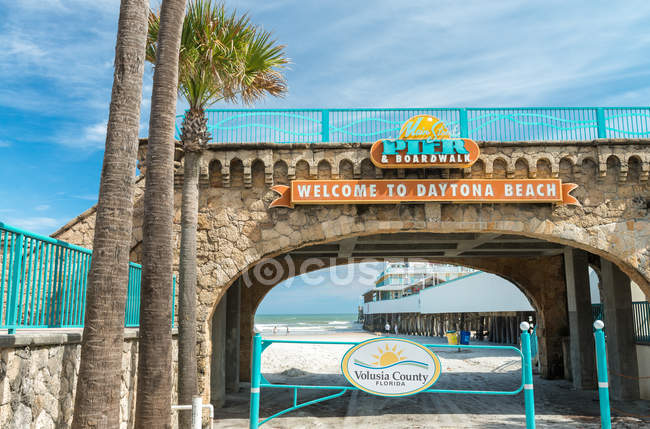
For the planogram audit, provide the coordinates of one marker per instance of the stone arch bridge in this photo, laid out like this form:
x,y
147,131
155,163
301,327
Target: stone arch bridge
x,y
245,247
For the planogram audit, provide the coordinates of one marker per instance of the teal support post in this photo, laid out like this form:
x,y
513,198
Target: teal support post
x,y
325,125
255,382
600,121
173,300
603,384
14,283
464,129
527,368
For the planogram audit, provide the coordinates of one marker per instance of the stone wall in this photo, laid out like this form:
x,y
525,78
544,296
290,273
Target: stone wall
x,y
38,377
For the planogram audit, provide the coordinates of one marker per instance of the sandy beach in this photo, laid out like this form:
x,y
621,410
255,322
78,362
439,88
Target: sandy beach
x,y
557,404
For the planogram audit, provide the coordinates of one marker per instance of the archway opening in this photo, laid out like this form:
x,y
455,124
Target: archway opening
x,y
536,267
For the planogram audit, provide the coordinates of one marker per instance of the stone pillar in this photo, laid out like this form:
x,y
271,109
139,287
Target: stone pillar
x,y
247,325
581,337
619,328
218,358
233,308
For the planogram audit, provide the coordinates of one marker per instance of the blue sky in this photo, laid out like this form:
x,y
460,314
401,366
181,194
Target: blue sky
x,y
57,55
330,290
56,73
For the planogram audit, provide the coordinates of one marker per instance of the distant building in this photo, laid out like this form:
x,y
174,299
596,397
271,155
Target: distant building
x,y
408,278
429,299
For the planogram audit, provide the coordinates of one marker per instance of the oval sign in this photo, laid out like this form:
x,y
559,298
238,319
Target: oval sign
x,y
424,141
391,367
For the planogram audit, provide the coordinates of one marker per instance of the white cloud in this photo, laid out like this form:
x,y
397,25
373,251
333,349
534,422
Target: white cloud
x,y
4,143
87,197
38,224
42,207
20,48
95,133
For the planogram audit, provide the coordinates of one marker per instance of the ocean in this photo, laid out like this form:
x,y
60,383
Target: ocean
x,y
300,324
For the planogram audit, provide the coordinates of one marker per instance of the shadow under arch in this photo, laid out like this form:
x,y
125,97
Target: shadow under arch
x,y
632,272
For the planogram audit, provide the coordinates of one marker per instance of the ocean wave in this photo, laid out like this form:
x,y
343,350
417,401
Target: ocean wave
x,y
339,322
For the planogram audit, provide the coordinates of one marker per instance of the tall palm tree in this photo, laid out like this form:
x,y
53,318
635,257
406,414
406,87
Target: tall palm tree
x,y
222,57
153,403
97,401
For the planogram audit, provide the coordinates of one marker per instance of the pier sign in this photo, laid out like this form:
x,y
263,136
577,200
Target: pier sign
x,y
424,141
391,367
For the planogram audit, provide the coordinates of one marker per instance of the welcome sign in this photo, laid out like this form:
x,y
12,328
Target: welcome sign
x,y
424,141
411,190
391,367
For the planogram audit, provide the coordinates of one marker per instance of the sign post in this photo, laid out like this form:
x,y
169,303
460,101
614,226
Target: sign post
x,y
255,382
529,397
603,384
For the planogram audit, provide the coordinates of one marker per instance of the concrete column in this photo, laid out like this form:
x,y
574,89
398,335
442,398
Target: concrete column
x,y
218,358
233,308
619,328
581,337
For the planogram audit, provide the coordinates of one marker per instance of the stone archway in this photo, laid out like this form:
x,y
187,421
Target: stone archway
x,y
540,278
237,228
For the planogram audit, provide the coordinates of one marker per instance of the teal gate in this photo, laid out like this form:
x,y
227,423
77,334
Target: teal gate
x,y
258,381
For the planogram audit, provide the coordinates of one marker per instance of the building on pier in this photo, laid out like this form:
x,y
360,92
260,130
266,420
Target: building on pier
x,y
429,299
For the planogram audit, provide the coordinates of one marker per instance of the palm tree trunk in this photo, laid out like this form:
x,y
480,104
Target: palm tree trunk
x,y
153,403
187,384
97,401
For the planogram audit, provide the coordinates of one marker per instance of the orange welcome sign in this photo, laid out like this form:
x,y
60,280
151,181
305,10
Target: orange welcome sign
x,y
412,190
424,141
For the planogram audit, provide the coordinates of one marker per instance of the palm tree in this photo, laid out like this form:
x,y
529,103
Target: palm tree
x,y
97,401
153,403
222,57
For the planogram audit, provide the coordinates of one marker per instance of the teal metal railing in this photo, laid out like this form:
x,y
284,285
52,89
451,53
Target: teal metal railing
x,y
597,312
258,381
43,282
641,311
641,315
363,125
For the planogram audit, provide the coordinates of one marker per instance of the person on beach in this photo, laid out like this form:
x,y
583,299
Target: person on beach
x,y
396,330
287,329
387,327
275,330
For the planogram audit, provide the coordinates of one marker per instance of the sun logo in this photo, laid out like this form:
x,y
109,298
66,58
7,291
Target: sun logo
x,y
388,356
424,127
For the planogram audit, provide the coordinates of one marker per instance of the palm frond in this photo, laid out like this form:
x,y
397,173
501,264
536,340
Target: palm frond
x,y
223,56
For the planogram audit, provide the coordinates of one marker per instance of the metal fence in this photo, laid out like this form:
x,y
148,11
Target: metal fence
x,y
641,311
43,282
363,125
641,314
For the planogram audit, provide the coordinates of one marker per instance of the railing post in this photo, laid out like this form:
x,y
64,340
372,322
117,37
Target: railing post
x,y
600,121
464,130
254,415
14,283
325,125
197,405
603,385
527,369
173,299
